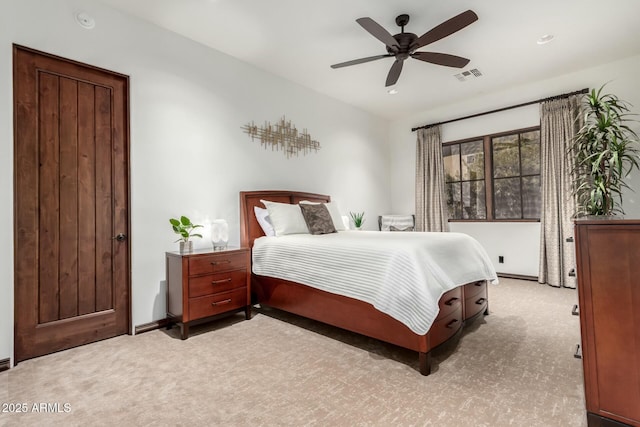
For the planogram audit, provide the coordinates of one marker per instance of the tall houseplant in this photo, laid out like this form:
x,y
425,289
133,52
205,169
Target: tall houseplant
x,y
605,151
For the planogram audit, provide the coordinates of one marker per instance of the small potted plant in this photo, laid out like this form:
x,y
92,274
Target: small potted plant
x,y
184,227
358,219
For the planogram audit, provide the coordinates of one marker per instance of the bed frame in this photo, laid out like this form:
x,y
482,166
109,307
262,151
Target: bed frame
x,y
457,307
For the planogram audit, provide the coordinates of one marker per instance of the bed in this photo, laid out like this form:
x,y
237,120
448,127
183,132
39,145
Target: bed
x,y
455,308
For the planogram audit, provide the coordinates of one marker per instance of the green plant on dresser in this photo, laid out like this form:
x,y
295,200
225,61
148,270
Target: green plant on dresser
x,y
605,151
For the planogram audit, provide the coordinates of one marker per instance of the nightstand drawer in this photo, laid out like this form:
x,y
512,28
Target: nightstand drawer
x,y
217,303
214,283
214,263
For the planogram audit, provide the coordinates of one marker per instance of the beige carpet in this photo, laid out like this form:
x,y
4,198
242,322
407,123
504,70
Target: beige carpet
x,y
515,367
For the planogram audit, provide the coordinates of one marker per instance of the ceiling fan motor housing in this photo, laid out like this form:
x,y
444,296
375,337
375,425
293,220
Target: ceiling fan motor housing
x,y
405,40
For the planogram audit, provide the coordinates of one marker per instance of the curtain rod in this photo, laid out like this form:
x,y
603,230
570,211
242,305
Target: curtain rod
x,y
537,101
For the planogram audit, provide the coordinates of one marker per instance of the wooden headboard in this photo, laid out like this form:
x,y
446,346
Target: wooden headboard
x,y
249,227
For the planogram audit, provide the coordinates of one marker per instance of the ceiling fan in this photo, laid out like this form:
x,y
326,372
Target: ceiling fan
x,y
404,45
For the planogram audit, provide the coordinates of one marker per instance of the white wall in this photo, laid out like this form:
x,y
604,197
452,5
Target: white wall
x,y
518,242
188,152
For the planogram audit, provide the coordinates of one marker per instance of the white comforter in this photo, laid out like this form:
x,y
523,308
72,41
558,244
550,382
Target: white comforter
x,y
402,274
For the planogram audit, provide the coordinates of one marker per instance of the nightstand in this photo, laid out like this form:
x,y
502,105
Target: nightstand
x,y
204,284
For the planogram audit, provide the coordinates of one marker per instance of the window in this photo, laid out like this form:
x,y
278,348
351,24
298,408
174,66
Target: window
x,y
516,176
464,177
511,188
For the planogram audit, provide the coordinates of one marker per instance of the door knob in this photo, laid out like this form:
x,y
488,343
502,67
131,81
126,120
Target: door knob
x,y
120,237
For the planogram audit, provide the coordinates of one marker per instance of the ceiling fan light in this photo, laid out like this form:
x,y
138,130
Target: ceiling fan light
x,y
545,39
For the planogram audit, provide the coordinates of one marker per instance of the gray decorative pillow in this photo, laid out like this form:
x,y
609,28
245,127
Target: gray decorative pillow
x,y
393,228
318,219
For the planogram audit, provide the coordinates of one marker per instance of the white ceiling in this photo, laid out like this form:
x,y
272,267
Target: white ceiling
x,y
300,39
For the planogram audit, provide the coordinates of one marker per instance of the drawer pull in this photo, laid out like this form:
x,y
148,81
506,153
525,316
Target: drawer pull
x,y
451,301
481,301
479,283
226,261
216,282
453,322
226,301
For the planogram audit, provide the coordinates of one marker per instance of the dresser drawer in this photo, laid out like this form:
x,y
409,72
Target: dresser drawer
x,y
219,282
449,302
445,327
217,303
214,263
475,288
475,304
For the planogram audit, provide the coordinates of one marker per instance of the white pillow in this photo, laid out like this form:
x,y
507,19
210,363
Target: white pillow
x,y
262,215
334,211
345,221
286,218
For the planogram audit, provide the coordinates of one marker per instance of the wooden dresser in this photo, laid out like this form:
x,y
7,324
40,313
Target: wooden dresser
x,y
204,284
608,266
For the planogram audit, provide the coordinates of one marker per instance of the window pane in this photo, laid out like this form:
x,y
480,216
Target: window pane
x,y
454,200
507,202
472,160
506,157
531,203
473,200
451,158
530,152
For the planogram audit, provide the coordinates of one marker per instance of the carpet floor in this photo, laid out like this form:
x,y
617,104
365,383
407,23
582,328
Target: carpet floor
x,y
514,367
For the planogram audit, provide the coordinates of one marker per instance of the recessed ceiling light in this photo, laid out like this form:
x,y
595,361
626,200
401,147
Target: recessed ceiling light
x,y
85,20
545,39
392,91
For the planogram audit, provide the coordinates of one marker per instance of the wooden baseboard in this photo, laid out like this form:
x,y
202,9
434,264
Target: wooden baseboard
x,y
156,324
518,276
5,364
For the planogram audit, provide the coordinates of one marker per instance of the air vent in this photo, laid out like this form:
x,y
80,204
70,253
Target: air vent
x,y
468,74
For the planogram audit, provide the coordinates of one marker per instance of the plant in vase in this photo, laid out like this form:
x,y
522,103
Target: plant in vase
x,y
184,227
357,218
605,151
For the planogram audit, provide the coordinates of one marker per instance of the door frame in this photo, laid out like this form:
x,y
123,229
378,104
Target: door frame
x,y
127,155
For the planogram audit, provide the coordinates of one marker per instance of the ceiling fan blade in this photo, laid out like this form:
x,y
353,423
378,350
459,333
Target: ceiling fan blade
x,y
441,59
377,31
360,61
394,73
449,27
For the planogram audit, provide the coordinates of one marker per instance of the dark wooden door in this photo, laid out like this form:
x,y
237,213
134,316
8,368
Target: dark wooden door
x,y
71,202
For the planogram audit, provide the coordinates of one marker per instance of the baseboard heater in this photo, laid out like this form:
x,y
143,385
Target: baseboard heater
x,y
5,364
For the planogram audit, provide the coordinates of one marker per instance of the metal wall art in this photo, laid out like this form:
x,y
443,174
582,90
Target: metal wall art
x,y
282,136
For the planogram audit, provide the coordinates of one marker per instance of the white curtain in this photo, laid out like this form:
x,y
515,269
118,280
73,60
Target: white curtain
x,y
559,122
431,202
